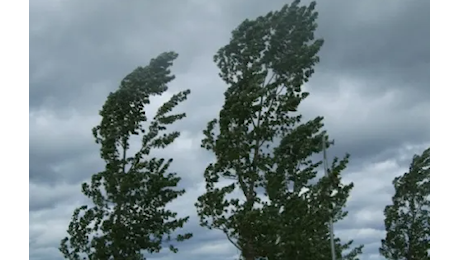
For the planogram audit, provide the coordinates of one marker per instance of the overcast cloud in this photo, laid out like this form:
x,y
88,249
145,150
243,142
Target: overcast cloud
x,y
372,86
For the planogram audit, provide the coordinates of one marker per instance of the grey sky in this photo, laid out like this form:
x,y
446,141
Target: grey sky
x,y
372,86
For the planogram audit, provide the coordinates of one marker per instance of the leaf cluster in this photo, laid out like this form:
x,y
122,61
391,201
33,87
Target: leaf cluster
x,y
128,215
407,219
262,148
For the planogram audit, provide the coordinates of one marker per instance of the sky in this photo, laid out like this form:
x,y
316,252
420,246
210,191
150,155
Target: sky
x,y
371,85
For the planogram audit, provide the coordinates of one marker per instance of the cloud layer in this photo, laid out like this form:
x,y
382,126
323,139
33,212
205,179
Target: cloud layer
x,y
372,86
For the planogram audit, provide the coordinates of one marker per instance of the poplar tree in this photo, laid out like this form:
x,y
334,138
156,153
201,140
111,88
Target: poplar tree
x,y
129,216
263,150
407,219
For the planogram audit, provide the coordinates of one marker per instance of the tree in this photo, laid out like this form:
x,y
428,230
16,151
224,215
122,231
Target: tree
x,y
262,149
130,195
407,220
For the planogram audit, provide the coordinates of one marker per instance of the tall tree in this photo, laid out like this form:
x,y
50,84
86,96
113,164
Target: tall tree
x,y
129,215
262,149
407,219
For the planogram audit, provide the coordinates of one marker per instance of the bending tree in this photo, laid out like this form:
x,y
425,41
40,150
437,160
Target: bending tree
x,y
407,220
130,195
262,149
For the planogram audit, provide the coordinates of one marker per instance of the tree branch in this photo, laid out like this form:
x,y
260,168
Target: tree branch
x,y
229,239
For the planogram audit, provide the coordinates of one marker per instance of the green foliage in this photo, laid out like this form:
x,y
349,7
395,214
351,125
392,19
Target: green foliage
x,y
407,220
302,223
265,65
130,195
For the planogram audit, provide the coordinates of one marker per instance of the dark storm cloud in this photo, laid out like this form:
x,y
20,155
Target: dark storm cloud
x,y
61,148
99,42
380,46
101,49
382,41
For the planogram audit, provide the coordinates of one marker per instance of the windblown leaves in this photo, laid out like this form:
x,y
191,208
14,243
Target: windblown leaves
x,y
263,150
129,216
407,220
